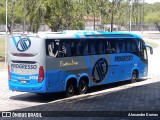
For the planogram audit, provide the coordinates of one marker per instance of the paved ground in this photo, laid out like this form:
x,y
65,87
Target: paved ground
x,y
114,98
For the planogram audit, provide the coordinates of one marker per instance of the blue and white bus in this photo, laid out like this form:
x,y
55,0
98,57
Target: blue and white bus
x,y
73,62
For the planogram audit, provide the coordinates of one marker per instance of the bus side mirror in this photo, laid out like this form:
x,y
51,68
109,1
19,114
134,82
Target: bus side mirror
x,y
150,48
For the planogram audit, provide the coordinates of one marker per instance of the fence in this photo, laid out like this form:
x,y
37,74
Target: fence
x,y
135,27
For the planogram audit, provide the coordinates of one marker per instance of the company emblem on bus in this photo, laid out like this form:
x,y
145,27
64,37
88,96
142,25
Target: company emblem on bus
x,y
99,70
23,44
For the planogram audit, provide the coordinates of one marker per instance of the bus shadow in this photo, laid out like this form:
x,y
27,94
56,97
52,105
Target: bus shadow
x,y
112,85
48,97
40,98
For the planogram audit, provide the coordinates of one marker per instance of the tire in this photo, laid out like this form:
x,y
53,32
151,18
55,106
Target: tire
x,y
70,89
134,77
83,87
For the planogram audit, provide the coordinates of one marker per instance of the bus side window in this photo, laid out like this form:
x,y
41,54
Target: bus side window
x,y
52,49
96,44
68,49
92,47
141,49
81,47
78,45
85,50
62,49
128,45
140,45
113,46
101,48
106,46
84,47
73,49
121,45
133,46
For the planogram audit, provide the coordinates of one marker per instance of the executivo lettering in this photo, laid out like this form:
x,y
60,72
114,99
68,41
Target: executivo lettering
x,y
68,63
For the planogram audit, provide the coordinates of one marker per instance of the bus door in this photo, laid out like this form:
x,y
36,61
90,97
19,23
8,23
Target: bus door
x,y
129,56
142,54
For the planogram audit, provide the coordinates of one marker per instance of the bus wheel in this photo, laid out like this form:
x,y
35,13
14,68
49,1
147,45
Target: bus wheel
x,y
83,86
134,76
70,90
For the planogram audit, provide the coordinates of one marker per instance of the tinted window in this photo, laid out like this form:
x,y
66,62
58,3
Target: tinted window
x,y
122,46
113,46
72,47
127,45
140,44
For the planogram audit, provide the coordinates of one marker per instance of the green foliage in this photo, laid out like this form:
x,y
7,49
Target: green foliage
x,y
62,14
14,15
57,14
154,18
18,11
2,11
36,10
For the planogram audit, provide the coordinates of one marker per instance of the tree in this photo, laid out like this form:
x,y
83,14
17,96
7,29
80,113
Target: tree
x,y
97,9
122,14
62,14
2,11
36,10
114,8
57,14
14,13
154,18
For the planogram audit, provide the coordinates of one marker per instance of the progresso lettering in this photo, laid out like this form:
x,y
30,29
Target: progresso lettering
x,y
123,58
23,66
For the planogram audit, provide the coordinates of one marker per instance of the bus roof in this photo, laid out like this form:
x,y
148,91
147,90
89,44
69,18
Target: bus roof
x,y
91,34
84,34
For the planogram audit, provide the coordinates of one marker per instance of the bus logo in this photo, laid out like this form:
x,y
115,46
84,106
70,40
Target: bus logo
x,y
23,44
99,70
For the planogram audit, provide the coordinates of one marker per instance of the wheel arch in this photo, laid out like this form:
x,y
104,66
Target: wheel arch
x,y
85,76
72,78
136,70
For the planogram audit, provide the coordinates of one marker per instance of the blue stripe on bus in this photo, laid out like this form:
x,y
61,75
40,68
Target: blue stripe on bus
x,y
27,37
93,33
85,33
77,36
89,63
14,40
104,56
95,58
20,37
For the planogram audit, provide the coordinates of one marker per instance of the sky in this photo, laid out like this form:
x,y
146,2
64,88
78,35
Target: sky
x,y
152,1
